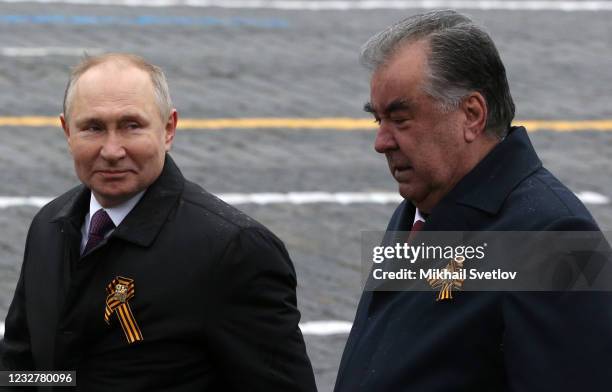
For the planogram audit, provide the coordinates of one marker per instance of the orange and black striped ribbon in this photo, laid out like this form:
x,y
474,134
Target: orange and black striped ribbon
x,y
445,292
447,285
119,292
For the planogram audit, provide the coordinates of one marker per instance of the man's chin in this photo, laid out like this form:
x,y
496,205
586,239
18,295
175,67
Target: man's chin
x,y
406,191
111,198
413,195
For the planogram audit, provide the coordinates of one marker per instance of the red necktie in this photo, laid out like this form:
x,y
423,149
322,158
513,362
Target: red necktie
x,y
416,227
99,226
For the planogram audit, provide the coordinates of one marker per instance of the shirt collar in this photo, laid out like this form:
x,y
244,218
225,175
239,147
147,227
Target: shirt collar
x,y
418,216
117,213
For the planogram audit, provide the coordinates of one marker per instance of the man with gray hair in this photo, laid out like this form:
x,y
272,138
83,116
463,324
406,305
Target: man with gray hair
x,y
140,280
441,98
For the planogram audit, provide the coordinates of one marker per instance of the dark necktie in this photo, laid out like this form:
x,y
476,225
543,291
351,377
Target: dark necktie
x,y
99,226
416,227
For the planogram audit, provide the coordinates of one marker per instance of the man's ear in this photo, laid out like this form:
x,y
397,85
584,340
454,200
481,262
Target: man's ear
x,y
170,129
66,129
474,108
64,125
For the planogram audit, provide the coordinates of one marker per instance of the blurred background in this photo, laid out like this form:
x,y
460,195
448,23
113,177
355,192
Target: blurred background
x,y
317,186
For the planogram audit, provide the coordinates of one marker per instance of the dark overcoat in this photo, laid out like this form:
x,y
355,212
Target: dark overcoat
x,y
214,298
486,341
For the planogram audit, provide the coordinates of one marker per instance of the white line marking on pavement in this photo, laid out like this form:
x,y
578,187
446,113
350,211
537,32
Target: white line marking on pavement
x,y
323,328
47,51
317,328
542,5
592,198
253,198
343,198
311,198
6,202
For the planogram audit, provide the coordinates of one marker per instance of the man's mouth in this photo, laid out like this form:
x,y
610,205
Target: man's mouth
x,y
112,173
400,172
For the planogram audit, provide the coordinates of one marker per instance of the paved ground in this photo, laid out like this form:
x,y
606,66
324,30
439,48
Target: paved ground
x,y
289,64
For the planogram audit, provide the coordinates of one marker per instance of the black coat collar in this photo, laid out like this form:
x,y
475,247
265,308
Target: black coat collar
x,y
488,185
143,223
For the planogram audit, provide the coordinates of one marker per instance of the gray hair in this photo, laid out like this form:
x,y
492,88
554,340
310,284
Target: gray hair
x,y
462,59
158,79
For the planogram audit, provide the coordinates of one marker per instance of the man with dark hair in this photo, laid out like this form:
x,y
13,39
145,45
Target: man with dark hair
x,y
440,95
139,279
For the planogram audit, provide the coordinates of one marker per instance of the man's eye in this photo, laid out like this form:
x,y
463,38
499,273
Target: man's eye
x,y
133,125
399,121
92,128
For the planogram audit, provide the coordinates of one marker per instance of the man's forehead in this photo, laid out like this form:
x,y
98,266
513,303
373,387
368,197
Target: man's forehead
x,y
394,92
114,73
396,85
103,82
99,93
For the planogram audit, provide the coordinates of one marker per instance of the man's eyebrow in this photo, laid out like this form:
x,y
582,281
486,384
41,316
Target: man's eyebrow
x,y
131,117
87,120
398,105
394,106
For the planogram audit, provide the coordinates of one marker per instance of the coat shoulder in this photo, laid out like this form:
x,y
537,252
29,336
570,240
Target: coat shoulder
x,y
542,200
210,217
206,205
56,206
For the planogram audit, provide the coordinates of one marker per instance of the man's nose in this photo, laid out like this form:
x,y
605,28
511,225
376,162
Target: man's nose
x,y
385,141
113,148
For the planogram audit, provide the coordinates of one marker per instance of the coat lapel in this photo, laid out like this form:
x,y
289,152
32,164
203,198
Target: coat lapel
x,y
488,185
144,222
